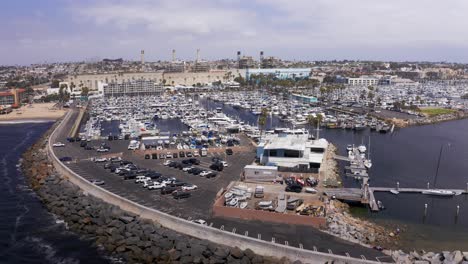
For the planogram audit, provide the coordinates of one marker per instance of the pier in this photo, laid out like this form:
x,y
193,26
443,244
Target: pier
x,y
366,194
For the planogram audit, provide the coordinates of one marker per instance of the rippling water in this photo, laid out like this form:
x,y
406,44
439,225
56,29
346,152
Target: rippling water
x,y
28,233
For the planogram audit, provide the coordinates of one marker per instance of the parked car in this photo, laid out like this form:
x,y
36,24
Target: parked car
x,y
168,190
169,155
196,154
140,179
99,160
186,169
174,155
212,174
162,156
229,151
83,144
173,164
102,150
188,154
156,186
294,188
181,154
180,194
195,161
217,166
58,144
204,173
189,187
153,175
65,159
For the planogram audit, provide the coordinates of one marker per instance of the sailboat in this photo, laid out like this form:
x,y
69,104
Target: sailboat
x,y
438,192
368,161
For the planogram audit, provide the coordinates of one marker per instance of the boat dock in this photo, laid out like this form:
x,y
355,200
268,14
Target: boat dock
x,y
412,190
343,158
366,195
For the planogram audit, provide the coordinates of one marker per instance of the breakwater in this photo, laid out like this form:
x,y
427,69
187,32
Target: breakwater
x,y
121,233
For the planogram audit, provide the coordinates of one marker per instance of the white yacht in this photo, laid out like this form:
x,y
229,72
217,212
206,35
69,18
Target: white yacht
x,y
439,192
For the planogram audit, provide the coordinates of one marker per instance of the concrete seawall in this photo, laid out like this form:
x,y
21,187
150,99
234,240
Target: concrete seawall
x,y
189,228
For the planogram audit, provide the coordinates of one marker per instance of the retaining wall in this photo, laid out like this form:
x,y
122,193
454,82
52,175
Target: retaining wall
x,y
180,225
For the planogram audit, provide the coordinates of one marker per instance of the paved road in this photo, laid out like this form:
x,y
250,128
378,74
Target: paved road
x,y
199,205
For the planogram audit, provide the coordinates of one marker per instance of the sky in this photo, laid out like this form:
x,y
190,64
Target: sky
x,y
33,31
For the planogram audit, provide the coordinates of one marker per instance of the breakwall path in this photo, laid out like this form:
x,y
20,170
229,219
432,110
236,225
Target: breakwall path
x,y
189,228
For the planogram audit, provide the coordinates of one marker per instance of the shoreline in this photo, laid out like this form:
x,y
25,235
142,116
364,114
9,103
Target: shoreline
x,y
402,123
35,113
121,234
27,121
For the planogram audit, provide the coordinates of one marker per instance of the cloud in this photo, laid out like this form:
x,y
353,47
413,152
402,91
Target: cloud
x,y
291,29
199,18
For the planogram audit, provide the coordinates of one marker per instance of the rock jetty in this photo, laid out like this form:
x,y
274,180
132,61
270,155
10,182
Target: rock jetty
x,y
342,224
120,233
422,257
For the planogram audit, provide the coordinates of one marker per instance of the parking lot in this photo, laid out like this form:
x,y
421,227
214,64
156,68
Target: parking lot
x,y
199,205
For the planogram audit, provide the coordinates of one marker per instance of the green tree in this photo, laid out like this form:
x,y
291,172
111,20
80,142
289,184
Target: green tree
x,y
262,119
84,91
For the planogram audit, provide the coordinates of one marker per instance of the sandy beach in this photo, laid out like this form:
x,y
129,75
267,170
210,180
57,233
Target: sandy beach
x,y
43,112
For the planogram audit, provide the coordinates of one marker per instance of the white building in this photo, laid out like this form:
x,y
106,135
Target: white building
x,y
295,153
138,87
363,81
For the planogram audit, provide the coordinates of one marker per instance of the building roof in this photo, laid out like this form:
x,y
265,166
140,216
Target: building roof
x,y
292,142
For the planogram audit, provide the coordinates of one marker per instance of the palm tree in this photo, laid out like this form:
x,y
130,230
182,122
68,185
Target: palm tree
x,y
262,119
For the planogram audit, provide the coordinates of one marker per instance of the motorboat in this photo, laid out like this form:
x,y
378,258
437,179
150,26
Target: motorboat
x,y
362,148
368,163
310,190
394,191
233,202
439,192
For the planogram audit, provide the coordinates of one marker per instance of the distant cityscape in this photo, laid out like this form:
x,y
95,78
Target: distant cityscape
x,y
411,84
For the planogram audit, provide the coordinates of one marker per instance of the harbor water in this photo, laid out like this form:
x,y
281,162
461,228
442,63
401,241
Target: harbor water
x,y
408,156
28,233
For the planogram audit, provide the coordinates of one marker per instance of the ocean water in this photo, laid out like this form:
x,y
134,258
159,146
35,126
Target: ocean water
x,y
28,232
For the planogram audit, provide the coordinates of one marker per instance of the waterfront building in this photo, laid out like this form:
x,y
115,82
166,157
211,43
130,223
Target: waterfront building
x,y
304,98
178,77
281,73
132,88
13,97
363,81
289,152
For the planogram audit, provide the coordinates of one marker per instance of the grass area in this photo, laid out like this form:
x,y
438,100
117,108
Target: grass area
x,y
436,111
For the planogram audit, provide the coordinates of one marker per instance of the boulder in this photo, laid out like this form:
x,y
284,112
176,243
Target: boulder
x,y
257,259
221,252
197,250
126,219
174,254
457,256
249,253
237,253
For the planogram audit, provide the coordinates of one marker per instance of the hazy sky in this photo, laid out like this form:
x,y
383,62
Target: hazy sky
x,y
34,31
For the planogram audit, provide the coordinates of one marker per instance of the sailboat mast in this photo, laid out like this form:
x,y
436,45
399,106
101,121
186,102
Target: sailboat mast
x,y
438,165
